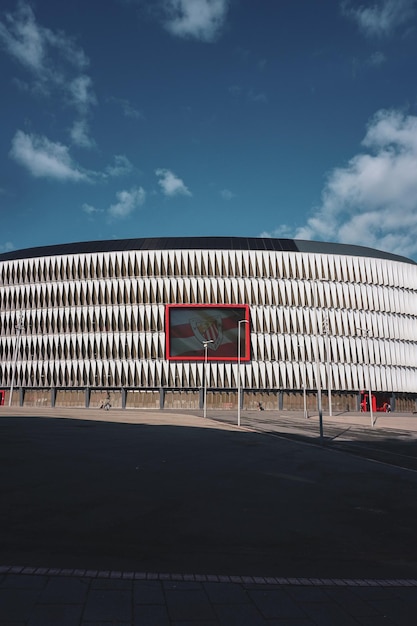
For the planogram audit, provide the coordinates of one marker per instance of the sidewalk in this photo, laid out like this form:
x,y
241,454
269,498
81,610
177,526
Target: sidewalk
x,y
165,459
78,598
391,421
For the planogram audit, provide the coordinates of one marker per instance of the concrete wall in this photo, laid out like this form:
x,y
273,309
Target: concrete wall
x,y
193,399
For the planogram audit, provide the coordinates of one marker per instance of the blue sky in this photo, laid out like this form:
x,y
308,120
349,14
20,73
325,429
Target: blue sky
x,y
139,118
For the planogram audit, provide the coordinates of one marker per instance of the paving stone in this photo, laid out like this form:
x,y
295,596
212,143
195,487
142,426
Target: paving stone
x,y
65,590
397,610
106,623
374,593
408,595
238,615
276,603
51,615
351,602
108,604
17,604
148,592
221,593
151,615
12,581
111,583
184,585
188,604
329,615
308,594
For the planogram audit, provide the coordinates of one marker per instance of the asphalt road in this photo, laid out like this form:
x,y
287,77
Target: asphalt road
x,y
191,496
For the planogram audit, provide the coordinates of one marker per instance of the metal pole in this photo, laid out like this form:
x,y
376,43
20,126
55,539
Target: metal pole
x,y
329,382
304,394
305,401
369,378
304,379
205,344
365,332
238,368
318,382
19,327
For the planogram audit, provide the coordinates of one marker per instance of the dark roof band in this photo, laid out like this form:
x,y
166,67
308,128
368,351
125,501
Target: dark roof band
x,y
202,243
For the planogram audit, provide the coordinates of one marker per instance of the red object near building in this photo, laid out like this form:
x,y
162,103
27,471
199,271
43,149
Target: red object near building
x,y
365,402
2,395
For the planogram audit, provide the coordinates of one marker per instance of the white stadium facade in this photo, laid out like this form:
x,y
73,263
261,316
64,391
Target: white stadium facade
x,y
175,322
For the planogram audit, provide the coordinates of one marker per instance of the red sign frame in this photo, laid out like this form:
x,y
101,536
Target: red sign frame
x,y
188,327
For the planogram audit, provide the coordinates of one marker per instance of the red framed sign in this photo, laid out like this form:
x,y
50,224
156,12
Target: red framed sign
x,y
191,327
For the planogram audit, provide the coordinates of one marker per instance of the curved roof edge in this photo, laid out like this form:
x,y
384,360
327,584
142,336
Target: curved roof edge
x,y
203,243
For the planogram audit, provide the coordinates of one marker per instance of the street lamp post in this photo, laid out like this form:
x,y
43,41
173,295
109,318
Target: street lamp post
x,y
238,368
328,369
365,333
304,380
205,344
318,381
19,328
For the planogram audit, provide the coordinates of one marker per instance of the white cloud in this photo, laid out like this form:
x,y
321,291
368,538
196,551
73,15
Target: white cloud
x,y
44,158
235,90
127,202
54,62
170,184
198,19
376,59
81,93
6,247
67,48
226,194
89,209
122,166
128,109
80,134
251,95
380,18
372,201
23,39
37,48
254,96
284,231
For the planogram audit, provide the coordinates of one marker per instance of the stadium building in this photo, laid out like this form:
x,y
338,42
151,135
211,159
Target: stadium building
x,y
175,322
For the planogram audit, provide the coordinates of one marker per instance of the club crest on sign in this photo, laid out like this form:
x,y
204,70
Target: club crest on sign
x,y
208,329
